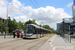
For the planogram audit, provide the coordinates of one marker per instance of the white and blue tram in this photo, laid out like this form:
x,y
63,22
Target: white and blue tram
x,y
34,31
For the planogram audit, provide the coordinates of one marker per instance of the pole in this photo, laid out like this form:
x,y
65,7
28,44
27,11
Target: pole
x,y
40,30
6,22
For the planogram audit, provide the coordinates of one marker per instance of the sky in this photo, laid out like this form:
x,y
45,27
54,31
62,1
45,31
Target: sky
x,y
48,12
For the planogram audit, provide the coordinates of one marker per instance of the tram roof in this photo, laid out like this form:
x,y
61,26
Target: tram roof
x,y
39,27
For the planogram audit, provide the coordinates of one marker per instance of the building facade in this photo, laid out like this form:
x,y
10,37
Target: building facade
x,y
3,20
68,24
59,27
62,27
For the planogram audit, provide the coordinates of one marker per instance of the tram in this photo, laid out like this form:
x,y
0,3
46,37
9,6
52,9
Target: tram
x,y
34,31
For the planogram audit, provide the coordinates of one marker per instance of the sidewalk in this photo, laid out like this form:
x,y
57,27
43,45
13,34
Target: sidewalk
x,y
57,43
8,38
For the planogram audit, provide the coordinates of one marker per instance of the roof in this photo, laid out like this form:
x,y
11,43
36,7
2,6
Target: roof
x,y
3,18
40,27
68,20
72,24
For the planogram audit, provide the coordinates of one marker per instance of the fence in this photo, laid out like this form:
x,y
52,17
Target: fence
x,y
6,36
69,38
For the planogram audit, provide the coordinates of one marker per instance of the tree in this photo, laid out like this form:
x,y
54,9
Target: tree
x,y
20,25
46,26
31,22
9,24
24,26
14,25
2,26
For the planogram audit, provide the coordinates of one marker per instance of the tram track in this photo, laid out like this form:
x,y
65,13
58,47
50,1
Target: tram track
x,y
25,44
15,48
41,42
13,43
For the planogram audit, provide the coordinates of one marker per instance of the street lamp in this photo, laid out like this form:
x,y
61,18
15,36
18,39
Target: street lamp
x,y
6,22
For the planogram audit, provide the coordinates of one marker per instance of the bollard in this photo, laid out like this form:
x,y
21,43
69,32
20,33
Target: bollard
x,y
69,38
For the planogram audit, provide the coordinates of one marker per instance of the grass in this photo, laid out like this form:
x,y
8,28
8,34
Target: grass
x,y
1,35
50,35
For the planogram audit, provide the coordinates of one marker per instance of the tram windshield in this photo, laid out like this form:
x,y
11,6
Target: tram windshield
x,y
30,29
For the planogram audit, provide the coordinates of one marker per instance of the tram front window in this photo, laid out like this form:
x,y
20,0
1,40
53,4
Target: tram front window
x,y
30,30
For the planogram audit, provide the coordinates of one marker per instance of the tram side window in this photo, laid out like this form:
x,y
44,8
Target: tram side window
x,y
38,31
33,29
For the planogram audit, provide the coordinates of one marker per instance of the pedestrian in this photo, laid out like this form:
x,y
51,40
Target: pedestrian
x,y
4,34
0,33
21,34
59,33
25,33
18,34
14,34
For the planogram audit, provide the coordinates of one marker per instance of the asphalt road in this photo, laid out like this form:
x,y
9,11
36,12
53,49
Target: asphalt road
x,y
23,44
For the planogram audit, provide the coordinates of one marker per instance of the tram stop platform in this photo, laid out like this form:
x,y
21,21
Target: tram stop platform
x,y
57,43
73,40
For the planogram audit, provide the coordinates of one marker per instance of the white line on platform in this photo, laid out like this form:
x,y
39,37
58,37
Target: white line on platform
x,y
72,42
53,48
51,45
52,40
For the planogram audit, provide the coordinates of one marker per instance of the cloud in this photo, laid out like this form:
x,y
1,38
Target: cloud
x,y
51,16
48,15
70,5
14,8
16,3
11,10
2,9
21,18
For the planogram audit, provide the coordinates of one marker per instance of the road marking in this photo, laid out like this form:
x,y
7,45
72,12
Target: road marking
x,y
53,48
52,40
52,45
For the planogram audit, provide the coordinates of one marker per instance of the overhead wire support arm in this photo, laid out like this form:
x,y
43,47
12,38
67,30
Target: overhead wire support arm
x,y
12,5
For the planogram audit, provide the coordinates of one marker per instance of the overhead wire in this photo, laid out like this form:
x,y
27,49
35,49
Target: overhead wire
x,y
17,8
38,9
19,5
39,6
22,7
13,6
